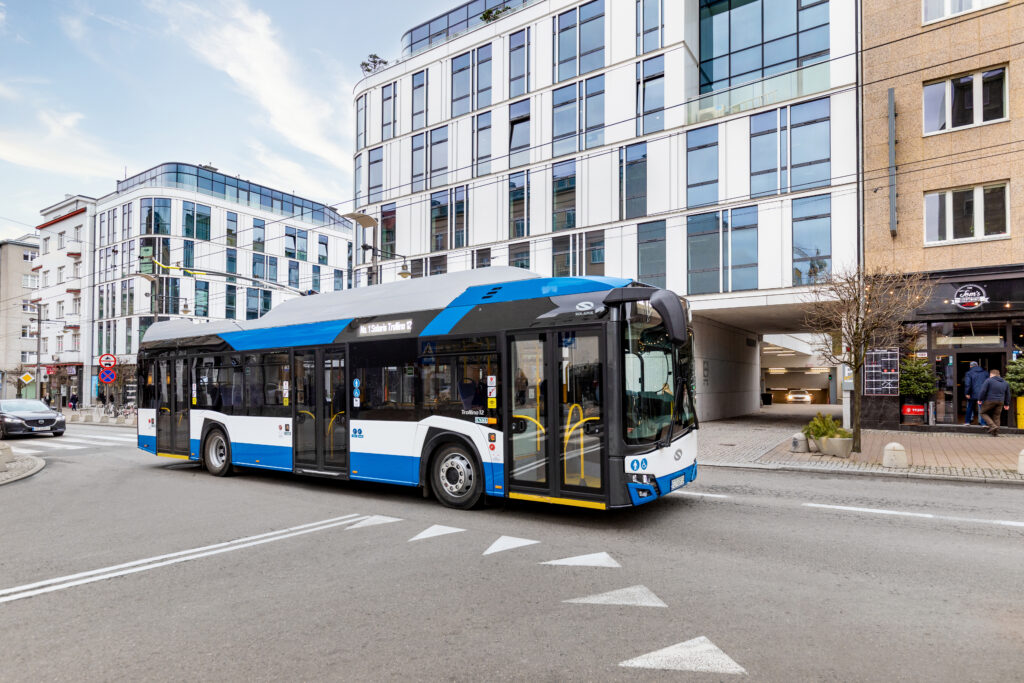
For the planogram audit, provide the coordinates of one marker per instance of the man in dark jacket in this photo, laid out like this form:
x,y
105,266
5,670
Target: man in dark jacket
x,y
973,380
993,397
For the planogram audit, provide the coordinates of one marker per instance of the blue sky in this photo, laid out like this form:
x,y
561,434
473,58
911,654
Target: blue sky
x,y
259,88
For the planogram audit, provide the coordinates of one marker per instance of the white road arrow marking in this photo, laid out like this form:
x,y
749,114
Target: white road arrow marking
x,y
508,543
374,520
436,530
592,560
636,596
699,654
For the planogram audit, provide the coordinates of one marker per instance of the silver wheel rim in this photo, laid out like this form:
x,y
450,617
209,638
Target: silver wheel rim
x,y
217,452
456,475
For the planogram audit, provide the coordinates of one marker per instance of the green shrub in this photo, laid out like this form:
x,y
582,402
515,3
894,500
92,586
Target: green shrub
x,y
917,378
1015,376
823,427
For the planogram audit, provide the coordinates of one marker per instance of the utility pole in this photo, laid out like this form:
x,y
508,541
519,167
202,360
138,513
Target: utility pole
x,y
39,348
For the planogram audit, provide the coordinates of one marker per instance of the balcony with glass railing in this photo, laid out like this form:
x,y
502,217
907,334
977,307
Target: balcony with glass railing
x,y
784,87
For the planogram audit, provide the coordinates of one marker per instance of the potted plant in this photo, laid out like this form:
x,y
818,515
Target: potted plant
x,y
1015,378
917,384
818,430
840,444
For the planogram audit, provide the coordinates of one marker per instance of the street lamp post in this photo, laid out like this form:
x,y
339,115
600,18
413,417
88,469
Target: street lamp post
x,y
404,271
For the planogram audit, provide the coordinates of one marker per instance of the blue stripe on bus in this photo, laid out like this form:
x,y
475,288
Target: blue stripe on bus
x,y
494,478
288,335
261,455
147,443
389,469
193,451
446,320
535,289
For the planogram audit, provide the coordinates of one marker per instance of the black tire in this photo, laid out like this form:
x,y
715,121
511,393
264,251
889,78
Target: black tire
x,y
217,453
58,433
456,477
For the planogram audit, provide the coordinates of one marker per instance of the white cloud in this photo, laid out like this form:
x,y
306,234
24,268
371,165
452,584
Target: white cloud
x,y
3,16
242,42
74,28
59,148
8,93
290,176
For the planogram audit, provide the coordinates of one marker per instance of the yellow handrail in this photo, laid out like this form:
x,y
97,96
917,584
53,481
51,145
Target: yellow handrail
x,y
309,413
565,447
527,417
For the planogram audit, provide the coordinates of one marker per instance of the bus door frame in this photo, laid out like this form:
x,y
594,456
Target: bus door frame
x,y
320,356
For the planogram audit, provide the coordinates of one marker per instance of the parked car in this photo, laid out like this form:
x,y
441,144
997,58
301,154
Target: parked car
x,y
798,396
29,416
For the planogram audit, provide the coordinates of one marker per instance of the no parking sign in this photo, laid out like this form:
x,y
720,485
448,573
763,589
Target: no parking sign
x,y
108,375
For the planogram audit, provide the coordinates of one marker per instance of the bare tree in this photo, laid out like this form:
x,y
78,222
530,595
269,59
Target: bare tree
x,y
856,310
373,64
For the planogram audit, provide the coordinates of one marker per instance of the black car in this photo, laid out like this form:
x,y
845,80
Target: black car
x,y
28,416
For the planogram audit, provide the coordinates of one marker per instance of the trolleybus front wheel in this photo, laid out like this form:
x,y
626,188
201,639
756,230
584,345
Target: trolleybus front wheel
x,y
456,478
217,454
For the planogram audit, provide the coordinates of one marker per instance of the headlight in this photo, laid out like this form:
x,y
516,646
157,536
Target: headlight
x,y
60,418
11,418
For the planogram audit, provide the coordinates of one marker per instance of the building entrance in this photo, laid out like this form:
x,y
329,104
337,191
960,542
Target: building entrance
x,y
990,360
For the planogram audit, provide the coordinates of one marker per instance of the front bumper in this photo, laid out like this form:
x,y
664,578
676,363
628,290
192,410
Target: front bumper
x,y
15,429
644,493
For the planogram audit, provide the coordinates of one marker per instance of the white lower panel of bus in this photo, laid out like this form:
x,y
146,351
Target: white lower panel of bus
x,y
677,455
147,429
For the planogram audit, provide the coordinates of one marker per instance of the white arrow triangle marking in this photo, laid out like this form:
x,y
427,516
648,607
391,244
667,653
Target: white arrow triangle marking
x,y
508,543
436,530
592,560
638,596
699,654
374,521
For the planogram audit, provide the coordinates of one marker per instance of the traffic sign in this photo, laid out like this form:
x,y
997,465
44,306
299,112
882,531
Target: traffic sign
x,y
108,360
108,375
26,378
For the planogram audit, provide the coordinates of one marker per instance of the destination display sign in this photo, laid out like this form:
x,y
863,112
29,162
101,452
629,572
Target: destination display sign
x,y
378,329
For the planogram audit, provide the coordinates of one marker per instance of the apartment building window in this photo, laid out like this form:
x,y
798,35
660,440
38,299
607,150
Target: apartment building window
x,y
579,40
112,225
195,220
743,41
128,335
482,58
519,63
774,161
561,256
812,238
416,268
30,281
563,201
519,204
419,162
60,343
60,308
126,221
202,299
272,268
438,265
593,112
315,283
78,228
577,116
811,145
76,305
27,356
321,249
156,216
462,84
966,213
577,255
232,229
965,101
448,211
60,275
650,253
439,221
388,222
519,255
188,255
60,240
650,23
419,99
769,153
936,10
482,144
482,258
650,95
27,332
633,181
361,122
339,280
389,111
295,243
439,156
252,303
564,120
722,251
702,166
519,133
27,306
259,266
45,247
357,179
231,262
293,274
76,340
289,242
376,173
46,278
259,227
28,255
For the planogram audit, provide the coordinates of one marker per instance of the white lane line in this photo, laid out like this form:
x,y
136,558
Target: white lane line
x,y
71,580
508,543
920,515
699,654
634,596
23,451
52,444
436,530
699,494
591,560
103,437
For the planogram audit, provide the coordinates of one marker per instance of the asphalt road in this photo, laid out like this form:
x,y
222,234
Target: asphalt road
x,y
117,565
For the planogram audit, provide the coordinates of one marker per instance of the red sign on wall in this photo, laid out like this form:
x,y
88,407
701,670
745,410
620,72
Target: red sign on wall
x,y
913,410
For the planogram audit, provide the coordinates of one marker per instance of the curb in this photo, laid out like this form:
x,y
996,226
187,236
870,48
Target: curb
x,y
37,464
863,473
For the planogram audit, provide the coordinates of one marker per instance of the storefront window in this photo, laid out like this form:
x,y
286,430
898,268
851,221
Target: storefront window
x,y
1018,339
968,334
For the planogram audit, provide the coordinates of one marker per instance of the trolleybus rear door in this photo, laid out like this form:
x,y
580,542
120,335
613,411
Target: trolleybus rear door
x,y
335,422
173,394
321,427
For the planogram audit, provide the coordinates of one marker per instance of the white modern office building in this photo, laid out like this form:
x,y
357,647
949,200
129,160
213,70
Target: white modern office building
x,y
221,247
705,146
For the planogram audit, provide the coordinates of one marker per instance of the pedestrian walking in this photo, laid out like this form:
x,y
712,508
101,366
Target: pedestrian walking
x,y
992,399
73,400
973,380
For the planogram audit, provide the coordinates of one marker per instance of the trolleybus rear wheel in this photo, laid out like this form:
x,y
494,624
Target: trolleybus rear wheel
x,y
217,454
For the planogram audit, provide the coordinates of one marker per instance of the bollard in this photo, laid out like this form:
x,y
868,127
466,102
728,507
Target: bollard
x,y
1020,463
895,455
104,419
119,420
799,443
86,417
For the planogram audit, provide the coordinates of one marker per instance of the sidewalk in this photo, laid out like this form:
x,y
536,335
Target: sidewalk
x,y
762,441
22,466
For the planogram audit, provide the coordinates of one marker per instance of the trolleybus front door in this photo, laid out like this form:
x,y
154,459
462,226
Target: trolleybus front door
x,y
174,393
321,427
556,444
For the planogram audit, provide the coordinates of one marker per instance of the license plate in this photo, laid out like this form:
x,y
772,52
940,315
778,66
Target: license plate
x,y
678,482
40,429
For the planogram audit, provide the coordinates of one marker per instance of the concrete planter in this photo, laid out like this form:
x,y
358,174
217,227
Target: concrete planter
x,y
816,446
839,447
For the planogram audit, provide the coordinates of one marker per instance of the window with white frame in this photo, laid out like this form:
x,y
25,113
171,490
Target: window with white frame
x,y
46,246
60,310
28,255
60,343
966,100
60,275
29,281
966,213
935,10
60,240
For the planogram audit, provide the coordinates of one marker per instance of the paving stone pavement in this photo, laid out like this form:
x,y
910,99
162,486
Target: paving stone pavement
x,y
22,466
